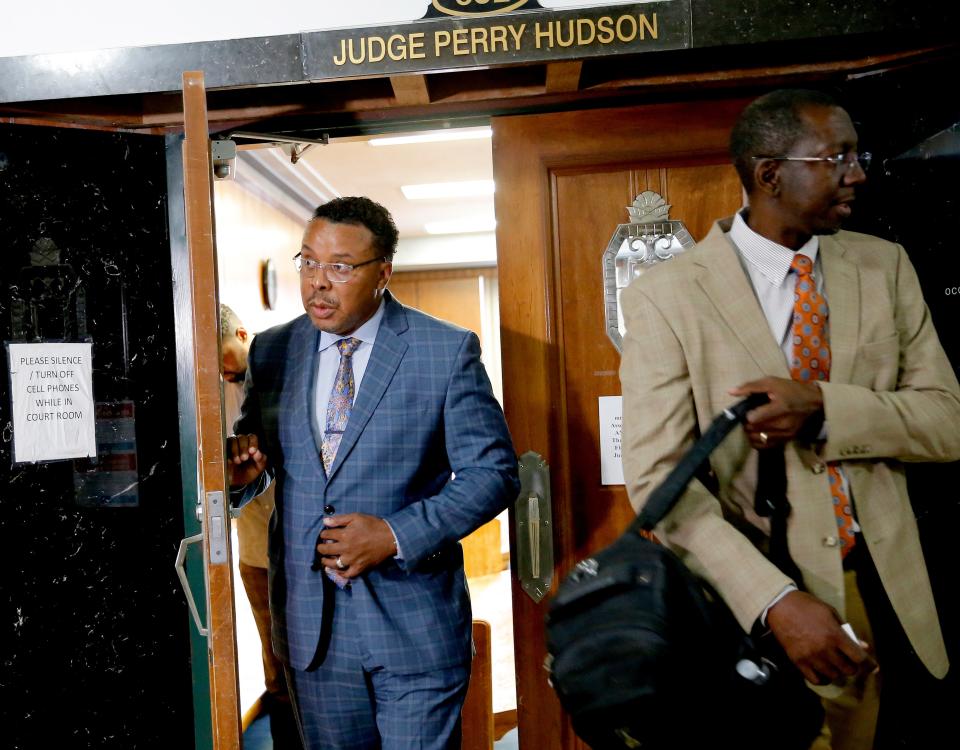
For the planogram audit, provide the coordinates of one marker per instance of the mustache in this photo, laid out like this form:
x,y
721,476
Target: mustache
x,y
319,299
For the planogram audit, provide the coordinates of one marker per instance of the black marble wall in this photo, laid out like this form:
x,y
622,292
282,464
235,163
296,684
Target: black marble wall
x,y
94,640
914,201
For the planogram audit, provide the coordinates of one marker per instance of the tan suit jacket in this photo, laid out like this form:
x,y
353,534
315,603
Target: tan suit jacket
x,y
253,524
695,329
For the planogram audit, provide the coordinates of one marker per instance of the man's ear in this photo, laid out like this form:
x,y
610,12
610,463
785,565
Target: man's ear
x,y
385,273
766,176
242,334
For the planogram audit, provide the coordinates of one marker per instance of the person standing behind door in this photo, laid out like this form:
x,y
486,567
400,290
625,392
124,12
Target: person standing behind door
x,y
252,528
832,326
378,426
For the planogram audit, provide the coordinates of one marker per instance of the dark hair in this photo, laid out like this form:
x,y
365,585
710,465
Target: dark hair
x,y
365,212
771,126
229,322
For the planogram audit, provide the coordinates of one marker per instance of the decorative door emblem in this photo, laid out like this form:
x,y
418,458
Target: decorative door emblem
x,y
650,238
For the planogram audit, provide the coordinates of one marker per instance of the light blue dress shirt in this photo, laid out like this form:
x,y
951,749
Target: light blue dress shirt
x,y
330,363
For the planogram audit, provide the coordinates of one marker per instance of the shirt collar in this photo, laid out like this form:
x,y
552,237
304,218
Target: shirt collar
x,y
771,259
367,333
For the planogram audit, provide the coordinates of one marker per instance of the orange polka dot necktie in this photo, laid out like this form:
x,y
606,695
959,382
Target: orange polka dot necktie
x,y
811,361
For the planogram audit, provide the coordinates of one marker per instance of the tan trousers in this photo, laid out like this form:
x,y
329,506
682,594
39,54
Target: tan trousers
x,y
851,710
255,584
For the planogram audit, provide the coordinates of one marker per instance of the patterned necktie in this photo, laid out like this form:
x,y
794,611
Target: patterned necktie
x,y
338,414
811,361
340,404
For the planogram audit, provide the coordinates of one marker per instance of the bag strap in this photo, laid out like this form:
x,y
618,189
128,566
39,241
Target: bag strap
x,y
771,496
771,501
664,497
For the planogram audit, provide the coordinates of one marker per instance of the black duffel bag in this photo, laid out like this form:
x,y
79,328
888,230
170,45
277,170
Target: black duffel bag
x,y
643,654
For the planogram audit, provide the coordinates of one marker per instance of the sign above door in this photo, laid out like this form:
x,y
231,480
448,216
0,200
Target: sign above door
x,y
368,40
478,37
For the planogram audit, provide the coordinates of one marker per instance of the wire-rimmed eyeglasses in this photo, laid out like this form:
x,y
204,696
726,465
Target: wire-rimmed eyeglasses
x,y
846,160
339,273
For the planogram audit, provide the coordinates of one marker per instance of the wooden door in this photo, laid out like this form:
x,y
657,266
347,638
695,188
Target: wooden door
x,y
563,182
211,477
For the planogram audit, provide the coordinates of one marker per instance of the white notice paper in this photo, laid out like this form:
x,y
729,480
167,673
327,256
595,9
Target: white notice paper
x,y
51,390
611,419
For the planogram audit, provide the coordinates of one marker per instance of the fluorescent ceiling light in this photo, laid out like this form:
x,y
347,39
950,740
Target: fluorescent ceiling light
x,y
462,226
438,136
436,190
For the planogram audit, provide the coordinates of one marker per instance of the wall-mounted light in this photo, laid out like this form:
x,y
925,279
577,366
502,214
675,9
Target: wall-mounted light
x,y
437,136
440,190
466,225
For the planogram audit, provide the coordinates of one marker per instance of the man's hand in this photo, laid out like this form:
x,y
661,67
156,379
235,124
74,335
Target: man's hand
x,y
794,408
811,635
245,460
359,541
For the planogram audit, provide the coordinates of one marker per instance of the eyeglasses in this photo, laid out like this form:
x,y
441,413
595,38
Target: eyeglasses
x,y
840,161
339,273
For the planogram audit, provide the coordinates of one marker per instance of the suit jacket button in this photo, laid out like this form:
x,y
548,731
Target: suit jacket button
x,y
329,510
830,541
818,468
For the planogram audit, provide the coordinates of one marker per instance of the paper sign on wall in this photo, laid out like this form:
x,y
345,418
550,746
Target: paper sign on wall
x,y
611,420
51,393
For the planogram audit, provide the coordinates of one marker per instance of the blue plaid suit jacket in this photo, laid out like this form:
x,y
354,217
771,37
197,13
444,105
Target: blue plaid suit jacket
x,y
426,448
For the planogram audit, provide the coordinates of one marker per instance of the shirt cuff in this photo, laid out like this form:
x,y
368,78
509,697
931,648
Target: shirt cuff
x,y
399,556
789,588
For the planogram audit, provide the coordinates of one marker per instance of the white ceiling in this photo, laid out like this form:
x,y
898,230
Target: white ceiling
x,y
354,167
351,166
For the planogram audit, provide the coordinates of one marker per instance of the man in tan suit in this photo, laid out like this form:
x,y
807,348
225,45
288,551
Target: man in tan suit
x,y
718,323
252,528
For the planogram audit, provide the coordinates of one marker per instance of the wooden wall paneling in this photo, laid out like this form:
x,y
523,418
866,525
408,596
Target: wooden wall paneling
x,y
481,551
454,299
411,89
699,195
563,76
450,294
405,286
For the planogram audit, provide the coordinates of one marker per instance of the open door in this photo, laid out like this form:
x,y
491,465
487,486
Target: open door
x,y
563,184
198,326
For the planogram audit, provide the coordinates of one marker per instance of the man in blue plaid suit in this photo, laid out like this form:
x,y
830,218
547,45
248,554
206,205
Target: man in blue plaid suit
x,y
379,428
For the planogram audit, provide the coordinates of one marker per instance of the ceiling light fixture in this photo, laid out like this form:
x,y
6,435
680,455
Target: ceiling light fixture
x,y
438,190
438,136
468,225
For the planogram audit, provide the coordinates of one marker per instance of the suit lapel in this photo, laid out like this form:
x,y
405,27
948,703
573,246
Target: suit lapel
x,y
388,351
298,400
842,285
727,286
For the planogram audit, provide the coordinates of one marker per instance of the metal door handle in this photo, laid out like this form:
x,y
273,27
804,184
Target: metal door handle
x,y
181,556
533,528
534,534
